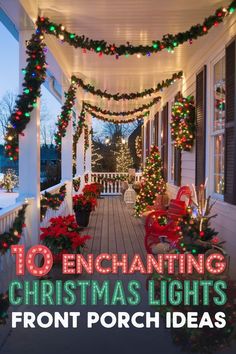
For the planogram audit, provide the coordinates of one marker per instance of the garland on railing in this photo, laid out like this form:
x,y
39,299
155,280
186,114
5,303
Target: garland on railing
x,y
122,114
183,123
35,73
65,116
118,121
101,179
168,41
13,236
52,201
127,96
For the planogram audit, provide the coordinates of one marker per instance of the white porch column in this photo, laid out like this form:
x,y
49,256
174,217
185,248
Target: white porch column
x,y
144,141
88,156
67,158
80,159
29,155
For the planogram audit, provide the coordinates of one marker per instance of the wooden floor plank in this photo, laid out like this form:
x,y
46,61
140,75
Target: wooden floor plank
x,y
105,231
96,247
111,228
118,230
114,229
130,221
125,229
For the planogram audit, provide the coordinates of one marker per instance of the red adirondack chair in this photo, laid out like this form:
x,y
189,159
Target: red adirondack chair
x,y
176,209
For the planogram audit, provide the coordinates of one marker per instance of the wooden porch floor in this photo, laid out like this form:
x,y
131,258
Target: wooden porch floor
x,y
114,229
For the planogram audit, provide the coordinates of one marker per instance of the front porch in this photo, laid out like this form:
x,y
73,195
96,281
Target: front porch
x,y
179,91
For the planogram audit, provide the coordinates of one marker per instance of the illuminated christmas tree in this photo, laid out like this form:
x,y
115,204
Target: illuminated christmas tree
x,y
153,182
10,180
96,158
124,160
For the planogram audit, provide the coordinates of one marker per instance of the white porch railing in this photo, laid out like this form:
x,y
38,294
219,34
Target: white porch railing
x,y
112,181
7,261
63,209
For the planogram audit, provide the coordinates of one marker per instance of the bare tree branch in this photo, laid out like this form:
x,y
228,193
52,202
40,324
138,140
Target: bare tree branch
x,y
7,105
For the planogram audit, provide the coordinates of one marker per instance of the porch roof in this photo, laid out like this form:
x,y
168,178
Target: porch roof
x,y
121,21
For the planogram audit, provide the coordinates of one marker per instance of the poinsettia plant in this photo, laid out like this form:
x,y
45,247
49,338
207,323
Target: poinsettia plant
x,y
62,236
92,190
83,202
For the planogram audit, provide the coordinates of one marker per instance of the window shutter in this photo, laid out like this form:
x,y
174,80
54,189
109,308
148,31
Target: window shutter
x,y
156,123
164,142
177,167
230,125
200,169
147,137
177,159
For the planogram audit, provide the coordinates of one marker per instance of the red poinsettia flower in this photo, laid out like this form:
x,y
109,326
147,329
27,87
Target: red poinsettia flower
x,y
83,202
92,189
79,241
62,235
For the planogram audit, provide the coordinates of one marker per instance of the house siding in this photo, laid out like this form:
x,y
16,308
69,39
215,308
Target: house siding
x,y
210,50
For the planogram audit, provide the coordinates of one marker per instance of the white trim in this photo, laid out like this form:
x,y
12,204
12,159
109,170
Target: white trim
x,y
210,121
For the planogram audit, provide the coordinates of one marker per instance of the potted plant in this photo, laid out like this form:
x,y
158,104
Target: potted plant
x,y
83,205
91,190
62,236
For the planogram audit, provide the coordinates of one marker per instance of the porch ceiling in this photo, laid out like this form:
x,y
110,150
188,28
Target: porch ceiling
x,y
118,21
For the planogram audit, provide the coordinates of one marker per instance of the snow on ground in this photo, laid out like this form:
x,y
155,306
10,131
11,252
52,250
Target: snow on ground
x,y
7,199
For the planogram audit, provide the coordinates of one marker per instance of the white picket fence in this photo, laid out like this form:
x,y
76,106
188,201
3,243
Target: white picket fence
x,y
112,181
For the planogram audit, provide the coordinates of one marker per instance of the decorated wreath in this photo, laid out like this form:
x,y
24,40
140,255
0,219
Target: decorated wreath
x,y
183,123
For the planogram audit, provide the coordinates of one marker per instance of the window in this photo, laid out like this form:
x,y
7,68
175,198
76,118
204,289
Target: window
x,y
219,125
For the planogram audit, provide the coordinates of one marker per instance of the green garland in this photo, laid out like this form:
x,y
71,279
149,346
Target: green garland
x,y
183,123
86,137
65,116
127,96
80,125
124,113
13,236
115,120
110,179
35,74
52,201
35,70
168,41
